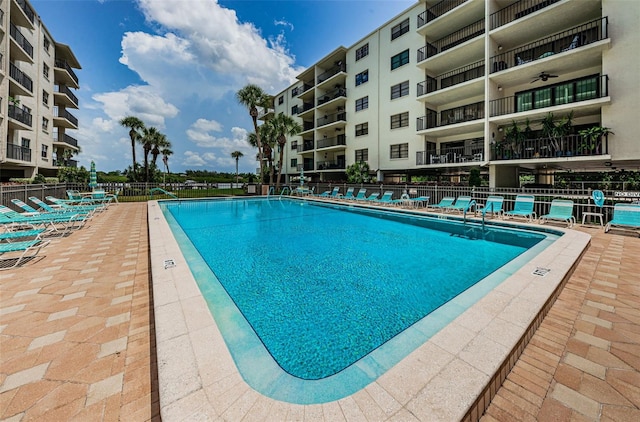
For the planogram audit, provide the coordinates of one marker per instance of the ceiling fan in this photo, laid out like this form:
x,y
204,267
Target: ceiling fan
x,y
543,76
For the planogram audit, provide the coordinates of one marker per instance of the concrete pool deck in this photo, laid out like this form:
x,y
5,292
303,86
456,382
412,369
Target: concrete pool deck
x,y
78,340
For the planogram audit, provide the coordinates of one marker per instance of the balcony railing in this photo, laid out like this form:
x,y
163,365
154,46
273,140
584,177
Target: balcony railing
x,y
331,118
445,43
568,40
565,146
518,10
450,155
17,152
332,142
65,90
64,65
21,40
307,145
20,77
66,139
569,92
454,77
333,71
437,10
307,126
331,165
332,95
27,10
65,115
20,114
63,163
451,116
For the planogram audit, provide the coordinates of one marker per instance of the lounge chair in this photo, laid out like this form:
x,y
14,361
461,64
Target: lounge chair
x,y
444,202
43,211
420,201
60,223
13,235
361,195
462,204
80,207
626,216
347,195
561,210
523,207
385,199
404,199
330,194
493,205
26,250
372,198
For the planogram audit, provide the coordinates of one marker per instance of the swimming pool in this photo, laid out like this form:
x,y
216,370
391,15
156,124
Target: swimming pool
x,y
326,359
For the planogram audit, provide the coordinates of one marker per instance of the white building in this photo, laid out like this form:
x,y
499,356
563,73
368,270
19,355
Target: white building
x,y
36,93
438,89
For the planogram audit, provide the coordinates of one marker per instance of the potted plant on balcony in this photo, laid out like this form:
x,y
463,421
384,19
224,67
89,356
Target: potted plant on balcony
x,y
556,131
514,137
592,139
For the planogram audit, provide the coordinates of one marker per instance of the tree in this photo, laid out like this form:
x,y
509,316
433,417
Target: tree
x,y
166,152
237,155
135,125
150,136
252,97
159,143
283,126
358,172
474,177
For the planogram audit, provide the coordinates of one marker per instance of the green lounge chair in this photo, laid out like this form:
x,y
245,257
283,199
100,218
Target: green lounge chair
x,y
372,198
361,195
561,210
447,201
523,207
462,204
85,207
60,223
420,201
493,205
26,250
11,236
59,209
347,195
330,194
625,216
385,199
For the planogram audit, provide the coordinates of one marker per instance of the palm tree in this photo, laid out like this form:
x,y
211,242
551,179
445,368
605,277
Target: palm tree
x,y
237,155
159,144
135,125
149,137
252,97
283,126
166,152
269,139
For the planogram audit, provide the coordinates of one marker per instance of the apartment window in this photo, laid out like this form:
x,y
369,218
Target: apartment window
x,y
294,146
46,44
45,98
362,129
586,89
362,103
400,151
45,71
294,163
362,52
362,155
45,151
564,94
400,59
280,99
400,90
362,77
296,91
26,143
45,124
294,110
400,120
543,98
400,29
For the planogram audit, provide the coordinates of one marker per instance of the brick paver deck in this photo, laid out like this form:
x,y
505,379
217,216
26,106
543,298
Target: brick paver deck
x,y
76,332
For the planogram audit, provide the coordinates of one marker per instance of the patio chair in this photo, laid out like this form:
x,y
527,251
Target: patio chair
x,y
347,195
330,194
462,204
80,207
385,199
60,223
25,250
27,208
523,207
561,210
444,202
625,216
372,198
493,205
361,195
420,201
10,236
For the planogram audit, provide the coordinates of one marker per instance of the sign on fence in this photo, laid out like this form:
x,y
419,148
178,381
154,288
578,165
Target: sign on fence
x,y
628,194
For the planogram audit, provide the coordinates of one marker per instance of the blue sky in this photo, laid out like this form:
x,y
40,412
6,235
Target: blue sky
x,y
178,64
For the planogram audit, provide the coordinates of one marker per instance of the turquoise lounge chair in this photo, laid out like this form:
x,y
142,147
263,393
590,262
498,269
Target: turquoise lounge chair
x,y
361,195
60,223
372,198
347,195
12,236
561,210
330,194
493,205
81,208
385,199
447,201
59,209
523,207
625,216
27,250
462,204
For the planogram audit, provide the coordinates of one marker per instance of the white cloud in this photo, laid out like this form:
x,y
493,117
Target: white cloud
x,y
141,101
283,22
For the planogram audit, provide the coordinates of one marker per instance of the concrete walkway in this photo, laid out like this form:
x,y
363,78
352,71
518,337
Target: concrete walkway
x,y
77,336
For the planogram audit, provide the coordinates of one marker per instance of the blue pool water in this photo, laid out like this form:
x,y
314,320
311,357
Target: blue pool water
x,y
323,286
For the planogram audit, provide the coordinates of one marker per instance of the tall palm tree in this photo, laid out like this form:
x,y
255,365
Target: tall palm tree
x,y
252,97
159,144
269,139
283,126
149,137
237,155
166,152
135,125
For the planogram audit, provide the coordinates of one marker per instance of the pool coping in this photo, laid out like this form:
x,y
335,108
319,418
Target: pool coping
x,y
452,376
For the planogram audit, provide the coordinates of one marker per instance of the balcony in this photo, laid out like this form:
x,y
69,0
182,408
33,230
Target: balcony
x,y
452,155
332,95
545,148
331,165
24,84
65,74
518,10
569,92
68,163
62,118
562,42
307,145
437,10
66,97
17,152
331,72
452,40
332,142
26,16
454,77
332,118
451,116
66,139
21,115
25,52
